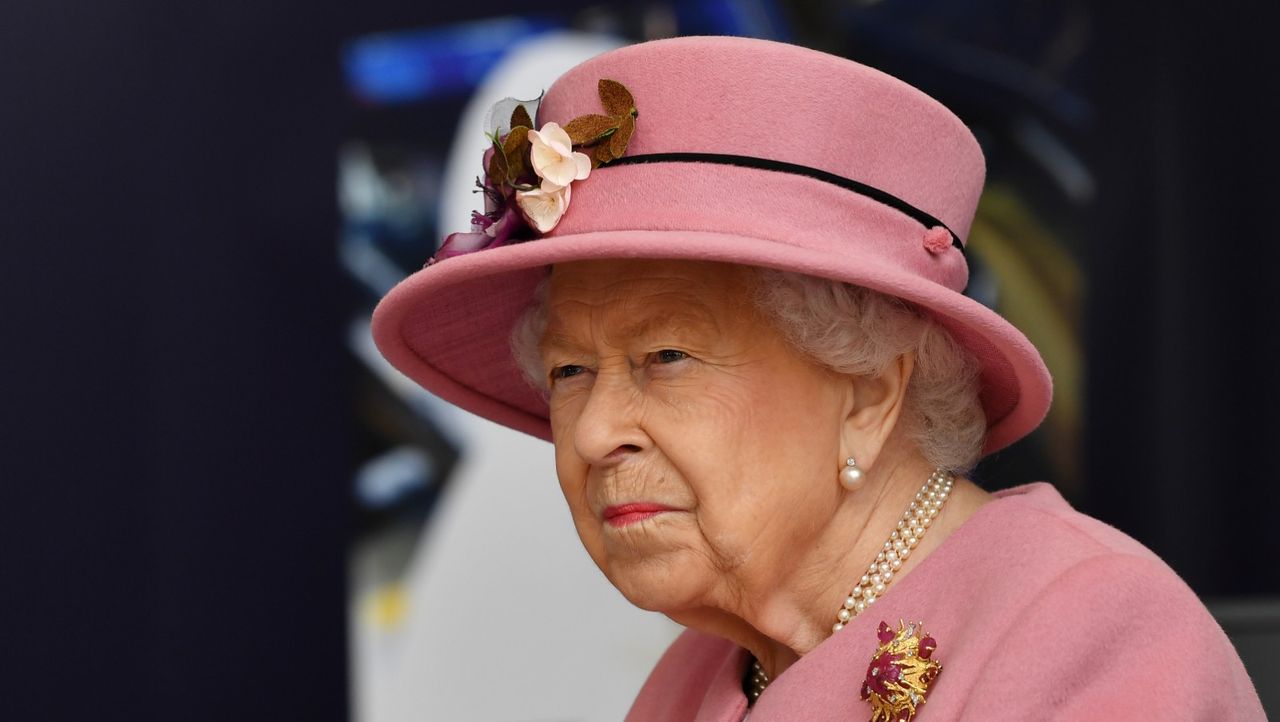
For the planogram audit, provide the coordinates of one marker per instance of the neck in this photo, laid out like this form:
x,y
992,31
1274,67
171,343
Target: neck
x,y
781,617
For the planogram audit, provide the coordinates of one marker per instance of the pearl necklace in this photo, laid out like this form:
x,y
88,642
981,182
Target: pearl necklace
x,y
915,520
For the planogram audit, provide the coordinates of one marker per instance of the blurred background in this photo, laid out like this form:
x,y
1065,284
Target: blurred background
x,y
218,503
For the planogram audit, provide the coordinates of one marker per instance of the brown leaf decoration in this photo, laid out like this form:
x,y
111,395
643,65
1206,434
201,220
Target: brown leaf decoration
x,y
520,116
618,141
587,129
497,170
615,98
599,154
515,147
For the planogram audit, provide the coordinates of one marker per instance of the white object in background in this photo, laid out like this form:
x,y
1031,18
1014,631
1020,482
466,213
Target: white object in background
x,y
506,617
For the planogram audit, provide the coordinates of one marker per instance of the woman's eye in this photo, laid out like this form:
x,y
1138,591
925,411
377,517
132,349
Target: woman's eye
x,y
668,356
564,372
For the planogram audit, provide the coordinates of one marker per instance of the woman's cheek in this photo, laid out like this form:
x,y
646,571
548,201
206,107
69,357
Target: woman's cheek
x,y
715,402
564,406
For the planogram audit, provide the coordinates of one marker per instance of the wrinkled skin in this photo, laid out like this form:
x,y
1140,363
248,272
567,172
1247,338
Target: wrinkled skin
x,y
684,397
667,387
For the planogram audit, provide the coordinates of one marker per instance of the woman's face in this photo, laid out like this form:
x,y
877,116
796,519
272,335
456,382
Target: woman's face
x,y
696,449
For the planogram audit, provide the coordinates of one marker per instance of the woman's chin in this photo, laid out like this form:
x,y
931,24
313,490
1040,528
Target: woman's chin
x,y
663,601
654,585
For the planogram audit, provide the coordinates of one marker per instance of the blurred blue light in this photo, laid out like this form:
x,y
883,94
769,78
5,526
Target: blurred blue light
x,y
746,18
405,67
388,479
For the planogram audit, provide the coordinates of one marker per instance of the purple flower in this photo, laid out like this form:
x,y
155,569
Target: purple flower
x,y
497,226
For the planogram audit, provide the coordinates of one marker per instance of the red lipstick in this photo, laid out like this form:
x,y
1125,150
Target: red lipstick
x,y
624,514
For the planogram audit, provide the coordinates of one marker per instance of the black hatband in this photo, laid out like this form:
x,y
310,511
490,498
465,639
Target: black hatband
x,y
746,161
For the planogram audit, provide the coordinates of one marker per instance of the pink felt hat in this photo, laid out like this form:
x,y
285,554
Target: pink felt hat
x,y
745,151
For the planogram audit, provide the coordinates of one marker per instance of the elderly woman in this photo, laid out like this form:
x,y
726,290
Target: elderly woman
x,y
724,278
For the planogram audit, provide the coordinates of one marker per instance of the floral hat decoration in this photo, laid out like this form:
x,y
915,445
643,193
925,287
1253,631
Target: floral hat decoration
x,y
750,152
529,174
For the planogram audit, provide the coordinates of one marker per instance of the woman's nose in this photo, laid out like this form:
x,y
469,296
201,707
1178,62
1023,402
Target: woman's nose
x,y
608,430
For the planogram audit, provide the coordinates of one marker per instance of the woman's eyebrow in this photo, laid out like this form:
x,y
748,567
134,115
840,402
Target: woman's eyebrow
x,y
685,320
559,340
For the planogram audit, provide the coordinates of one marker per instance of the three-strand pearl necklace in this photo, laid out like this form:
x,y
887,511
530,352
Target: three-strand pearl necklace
x,y
915,520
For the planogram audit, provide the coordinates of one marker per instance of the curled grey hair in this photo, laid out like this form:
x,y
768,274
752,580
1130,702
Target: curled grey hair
x,y
852,330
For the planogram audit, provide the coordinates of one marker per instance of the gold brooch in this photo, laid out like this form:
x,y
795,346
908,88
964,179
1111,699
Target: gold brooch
x,y
900,673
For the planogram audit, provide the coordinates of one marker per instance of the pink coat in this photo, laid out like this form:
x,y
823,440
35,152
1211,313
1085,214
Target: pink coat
x,y
1039,612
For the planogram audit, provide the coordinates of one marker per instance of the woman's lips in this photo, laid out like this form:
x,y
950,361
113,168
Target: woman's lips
x,y
624,514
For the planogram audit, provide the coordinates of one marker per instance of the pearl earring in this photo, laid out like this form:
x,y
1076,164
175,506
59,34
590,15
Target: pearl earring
x,y
851,475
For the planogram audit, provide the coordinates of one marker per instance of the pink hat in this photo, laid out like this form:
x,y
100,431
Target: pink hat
x,y
746,151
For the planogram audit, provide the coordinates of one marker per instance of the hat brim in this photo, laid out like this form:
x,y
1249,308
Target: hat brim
x,y
448,327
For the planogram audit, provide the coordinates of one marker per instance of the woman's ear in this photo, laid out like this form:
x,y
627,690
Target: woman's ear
x,y
874,410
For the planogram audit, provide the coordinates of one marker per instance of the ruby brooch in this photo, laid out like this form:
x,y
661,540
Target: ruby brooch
x,y
901,672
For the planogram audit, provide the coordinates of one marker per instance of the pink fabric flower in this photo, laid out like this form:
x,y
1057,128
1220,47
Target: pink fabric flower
x,y
543,208
554,160
937,240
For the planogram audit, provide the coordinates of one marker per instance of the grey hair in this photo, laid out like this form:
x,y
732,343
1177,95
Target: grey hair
x,y
527,334
851,330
